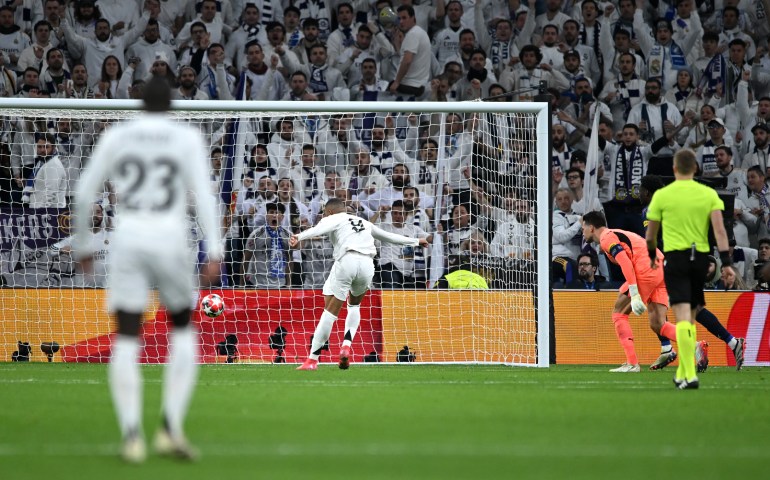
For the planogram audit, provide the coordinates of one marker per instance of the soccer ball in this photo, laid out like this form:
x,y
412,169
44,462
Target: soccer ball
x,y
212,305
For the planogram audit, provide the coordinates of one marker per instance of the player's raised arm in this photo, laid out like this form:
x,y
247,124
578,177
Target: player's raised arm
x,y
324,226
389,237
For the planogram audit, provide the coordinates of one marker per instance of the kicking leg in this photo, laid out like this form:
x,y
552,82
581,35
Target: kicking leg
x,y
666,332
352,321
323,330
715,327
126,385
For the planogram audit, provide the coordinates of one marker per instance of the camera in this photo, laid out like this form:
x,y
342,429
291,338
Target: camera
x,y
405,355
277,341
22,354
229,348
760,275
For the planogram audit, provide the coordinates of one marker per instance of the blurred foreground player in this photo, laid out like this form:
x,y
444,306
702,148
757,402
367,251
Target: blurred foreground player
x,y
153,163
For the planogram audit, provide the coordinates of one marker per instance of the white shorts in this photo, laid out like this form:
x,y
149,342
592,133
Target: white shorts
x,y
136,267
352,274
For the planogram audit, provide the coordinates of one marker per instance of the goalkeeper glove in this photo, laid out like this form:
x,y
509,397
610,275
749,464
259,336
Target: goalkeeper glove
x,y
637,305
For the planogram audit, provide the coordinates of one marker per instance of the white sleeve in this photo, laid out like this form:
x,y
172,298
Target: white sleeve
x,y
324,226
205,205
91,181
389,237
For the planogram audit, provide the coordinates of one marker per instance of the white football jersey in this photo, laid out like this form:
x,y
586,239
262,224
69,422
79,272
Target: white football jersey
x,y
350,233
153,163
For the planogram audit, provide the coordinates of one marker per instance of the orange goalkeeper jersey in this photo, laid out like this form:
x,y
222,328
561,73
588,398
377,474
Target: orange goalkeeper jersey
x,y
629,251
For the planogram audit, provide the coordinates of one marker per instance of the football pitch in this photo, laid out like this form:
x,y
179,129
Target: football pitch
x,y
402,422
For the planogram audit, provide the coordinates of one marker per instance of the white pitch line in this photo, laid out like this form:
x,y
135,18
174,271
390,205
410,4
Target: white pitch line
x,y
664,383
408,450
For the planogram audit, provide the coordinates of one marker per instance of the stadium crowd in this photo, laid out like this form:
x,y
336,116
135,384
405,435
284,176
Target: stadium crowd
x,y
660,75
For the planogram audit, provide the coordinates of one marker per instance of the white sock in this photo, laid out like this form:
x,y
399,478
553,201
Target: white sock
x,y
666,348
126,383
732,343
351,323
179,377
321,335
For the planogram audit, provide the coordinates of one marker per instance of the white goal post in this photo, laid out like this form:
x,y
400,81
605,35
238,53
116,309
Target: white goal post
x,y
481,176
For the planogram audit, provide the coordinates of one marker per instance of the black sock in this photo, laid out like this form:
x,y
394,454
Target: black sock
x,y
711,322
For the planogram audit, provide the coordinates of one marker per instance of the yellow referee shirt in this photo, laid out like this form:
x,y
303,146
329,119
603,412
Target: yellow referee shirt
x,y
684,210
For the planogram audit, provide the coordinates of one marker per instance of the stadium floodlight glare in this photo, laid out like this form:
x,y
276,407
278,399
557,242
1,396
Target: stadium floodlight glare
x,y
493,157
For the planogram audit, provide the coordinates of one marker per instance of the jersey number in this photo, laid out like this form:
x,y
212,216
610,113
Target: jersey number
x,y
357,227
134,171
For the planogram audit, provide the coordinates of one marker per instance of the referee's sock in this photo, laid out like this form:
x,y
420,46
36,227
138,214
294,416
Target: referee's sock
x,y
321,335
352,320
712,324
685,338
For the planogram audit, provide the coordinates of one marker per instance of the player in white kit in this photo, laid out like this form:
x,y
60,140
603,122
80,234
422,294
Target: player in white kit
x,y
153,162
352,272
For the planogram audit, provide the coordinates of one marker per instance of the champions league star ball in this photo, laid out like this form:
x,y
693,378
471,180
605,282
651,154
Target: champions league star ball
x,y
212,305
387,17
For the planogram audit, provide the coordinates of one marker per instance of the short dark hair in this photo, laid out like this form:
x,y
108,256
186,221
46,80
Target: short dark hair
x,y
595,219
654,80
631,125
398,203
756,169
591,256
272,206
335,204
726,149
250,44
651,183
406,8
41,23
54,49
764,241
157,95
309,22
580,172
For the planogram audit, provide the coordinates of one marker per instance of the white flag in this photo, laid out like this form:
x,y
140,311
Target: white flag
x,y
590,184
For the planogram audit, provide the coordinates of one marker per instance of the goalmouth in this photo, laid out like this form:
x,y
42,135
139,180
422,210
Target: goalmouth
x,y
481,171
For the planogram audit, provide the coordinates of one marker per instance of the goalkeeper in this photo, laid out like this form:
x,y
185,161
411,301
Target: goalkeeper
x,y
644,288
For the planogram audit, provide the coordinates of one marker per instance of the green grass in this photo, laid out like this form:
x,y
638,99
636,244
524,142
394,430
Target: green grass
x,y
398,422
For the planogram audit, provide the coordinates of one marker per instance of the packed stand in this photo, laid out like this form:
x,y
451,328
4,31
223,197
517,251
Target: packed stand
x,y
660,77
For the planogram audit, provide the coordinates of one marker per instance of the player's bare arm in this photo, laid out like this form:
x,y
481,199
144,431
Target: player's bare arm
x,y
652,242
720,234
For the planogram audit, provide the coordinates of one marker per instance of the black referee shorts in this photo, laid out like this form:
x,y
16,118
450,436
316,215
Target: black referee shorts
x,y
685,276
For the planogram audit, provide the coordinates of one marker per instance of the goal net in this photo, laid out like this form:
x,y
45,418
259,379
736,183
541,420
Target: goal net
x,y
472,177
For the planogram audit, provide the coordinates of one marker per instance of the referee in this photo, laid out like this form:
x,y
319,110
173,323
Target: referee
x,y
685,208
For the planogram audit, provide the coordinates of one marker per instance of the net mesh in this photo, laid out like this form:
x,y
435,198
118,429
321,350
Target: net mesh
x,y
465,180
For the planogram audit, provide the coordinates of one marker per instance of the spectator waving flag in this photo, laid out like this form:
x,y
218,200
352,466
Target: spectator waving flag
x,y
437,250
590,185
230,153
714,74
